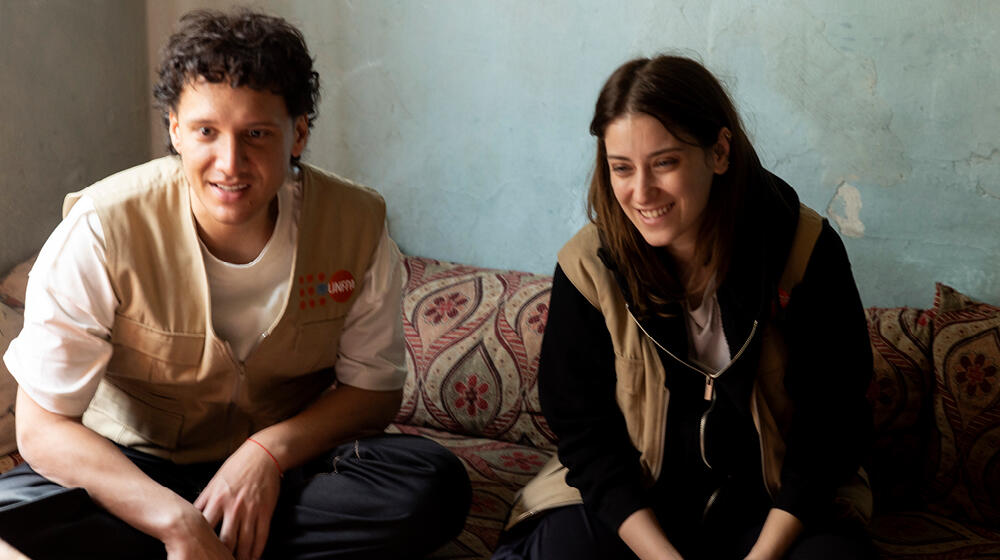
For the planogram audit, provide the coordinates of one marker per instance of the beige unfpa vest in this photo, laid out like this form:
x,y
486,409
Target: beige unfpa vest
x,y
173,388
640,388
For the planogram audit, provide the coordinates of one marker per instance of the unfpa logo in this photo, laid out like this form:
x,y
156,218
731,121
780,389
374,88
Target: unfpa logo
x,y
341,286
315,289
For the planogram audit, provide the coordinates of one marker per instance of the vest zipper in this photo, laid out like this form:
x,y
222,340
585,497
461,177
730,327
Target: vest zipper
x,y
709,503
710,378
240,376
693,367
701,431
259,341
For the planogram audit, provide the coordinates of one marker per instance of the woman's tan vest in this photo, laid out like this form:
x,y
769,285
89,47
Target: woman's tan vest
x,y
173,388
641,391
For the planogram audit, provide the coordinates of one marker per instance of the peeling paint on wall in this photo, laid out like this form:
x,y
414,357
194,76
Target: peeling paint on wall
x,y
845,210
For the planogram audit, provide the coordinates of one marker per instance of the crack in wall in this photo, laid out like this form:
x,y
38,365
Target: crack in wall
x,y
985,193
979,159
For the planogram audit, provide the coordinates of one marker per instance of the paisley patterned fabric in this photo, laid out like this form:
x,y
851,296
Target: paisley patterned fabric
x,y
473,336
497,470
900,397
965,454
922,535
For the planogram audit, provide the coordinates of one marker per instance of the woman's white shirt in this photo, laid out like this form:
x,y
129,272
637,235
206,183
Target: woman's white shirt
x,y
705,333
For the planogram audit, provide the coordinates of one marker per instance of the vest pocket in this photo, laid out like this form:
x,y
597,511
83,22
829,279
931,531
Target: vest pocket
x,y
318,343
145,353
133,419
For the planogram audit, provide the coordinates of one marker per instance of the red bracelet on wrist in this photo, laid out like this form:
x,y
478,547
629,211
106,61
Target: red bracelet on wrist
x,y
281,473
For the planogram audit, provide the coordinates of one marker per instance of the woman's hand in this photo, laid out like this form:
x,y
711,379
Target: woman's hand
x,y
242,496
780,531
643,534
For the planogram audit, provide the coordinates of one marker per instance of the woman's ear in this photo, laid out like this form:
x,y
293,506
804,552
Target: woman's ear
x,y
720,151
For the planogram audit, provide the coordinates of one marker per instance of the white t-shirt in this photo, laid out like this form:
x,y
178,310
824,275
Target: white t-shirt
x,y
708,339
247,299
62,352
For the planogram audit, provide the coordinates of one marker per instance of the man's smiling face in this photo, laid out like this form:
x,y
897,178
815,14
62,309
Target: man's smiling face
x,y
236,145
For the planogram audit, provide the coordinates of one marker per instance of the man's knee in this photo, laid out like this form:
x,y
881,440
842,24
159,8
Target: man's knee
x,y
450,492
441,490
438,491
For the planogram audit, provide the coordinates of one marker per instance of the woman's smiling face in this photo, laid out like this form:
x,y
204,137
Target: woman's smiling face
x,y
661,182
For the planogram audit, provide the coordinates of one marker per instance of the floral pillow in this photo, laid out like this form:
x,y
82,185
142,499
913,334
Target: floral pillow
x,y
900,397
473,336
965,455
901,349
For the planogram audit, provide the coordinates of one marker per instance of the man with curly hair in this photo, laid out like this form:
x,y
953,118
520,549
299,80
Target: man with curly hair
x,y
213,344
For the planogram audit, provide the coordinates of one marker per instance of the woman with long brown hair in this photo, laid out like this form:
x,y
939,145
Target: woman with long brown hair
x,y
706,354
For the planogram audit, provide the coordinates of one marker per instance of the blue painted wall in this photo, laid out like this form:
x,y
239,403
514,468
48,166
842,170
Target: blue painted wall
x,y
471,117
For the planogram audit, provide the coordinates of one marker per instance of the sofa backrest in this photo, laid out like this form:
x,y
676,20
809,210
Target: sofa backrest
x,y
963,455
900,394
473,336
936,404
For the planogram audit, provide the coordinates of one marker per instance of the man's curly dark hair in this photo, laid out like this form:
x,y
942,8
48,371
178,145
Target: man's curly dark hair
x,y
243,48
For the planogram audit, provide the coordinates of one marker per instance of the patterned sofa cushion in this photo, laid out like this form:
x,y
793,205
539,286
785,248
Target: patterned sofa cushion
x,y
922,535
497,470
900,398
472,341
965,446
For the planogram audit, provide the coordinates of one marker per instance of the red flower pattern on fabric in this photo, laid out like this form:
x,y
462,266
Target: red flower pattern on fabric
x,y
540,318
975,372
470,395
523,461
445,306
926,317
480,506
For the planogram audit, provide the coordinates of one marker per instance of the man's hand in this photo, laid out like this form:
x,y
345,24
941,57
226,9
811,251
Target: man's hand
x,y
242,496
68,453
191,538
